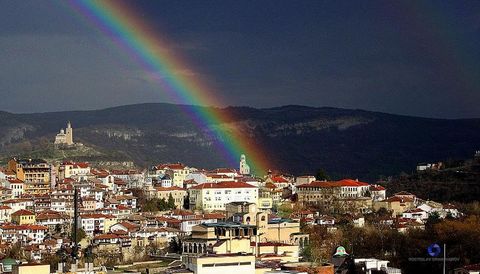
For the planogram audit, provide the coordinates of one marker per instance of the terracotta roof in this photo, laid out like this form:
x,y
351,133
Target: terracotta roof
x,y
15,181
229,184
123,207
341,183
50,215
376,188
129,226
119,181
106,236
169,188
5,207
124,197
23,227
182,212
279,179
213,216
22,212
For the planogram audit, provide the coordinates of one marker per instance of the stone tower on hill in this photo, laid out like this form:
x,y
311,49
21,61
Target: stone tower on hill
x,y
65,137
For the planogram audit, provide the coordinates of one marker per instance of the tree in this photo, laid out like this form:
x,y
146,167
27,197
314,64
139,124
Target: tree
x,y
58,228
433,219
321,175
80,234
186,202
175,246
285,210
15,251
162,204
171,202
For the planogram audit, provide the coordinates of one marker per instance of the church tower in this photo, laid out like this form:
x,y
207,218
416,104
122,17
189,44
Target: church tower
x,y
69,134
244,167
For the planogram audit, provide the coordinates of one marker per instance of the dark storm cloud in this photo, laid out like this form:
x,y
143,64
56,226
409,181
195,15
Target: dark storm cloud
x,y
408,57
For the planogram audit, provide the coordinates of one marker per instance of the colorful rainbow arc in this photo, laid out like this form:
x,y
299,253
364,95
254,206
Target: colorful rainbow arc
x,y
131,32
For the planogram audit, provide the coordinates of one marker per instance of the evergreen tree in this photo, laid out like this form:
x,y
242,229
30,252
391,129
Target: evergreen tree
x,y
171,202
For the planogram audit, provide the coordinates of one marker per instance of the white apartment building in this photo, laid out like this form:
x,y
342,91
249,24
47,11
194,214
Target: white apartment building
x,y
214,196
17,186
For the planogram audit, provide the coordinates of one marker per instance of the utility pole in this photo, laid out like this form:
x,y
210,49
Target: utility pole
x,y
444,257
75,228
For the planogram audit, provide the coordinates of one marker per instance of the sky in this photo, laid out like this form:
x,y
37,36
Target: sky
x,y
418,58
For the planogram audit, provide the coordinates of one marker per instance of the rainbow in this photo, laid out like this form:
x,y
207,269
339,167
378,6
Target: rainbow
x,y
153,51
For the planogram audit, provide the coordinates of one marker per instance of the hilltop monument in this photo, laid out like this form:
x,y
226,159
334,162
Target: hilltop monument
x,y
65,137
244,167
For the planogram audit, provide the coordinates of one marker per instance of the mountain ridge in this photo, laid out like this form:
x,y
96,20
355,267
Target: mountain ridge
x,y
298,139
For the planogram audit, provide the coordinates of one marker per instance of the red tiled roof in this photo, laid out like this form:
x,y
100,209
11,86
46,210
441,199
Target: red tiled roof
x,y
376,188
168,188
5,207
129,226
279,179
23,227
81,165
15,181
182,212
22,212
341,183
213,216
106,236
350,182
119,181
50,215
122,207
229,184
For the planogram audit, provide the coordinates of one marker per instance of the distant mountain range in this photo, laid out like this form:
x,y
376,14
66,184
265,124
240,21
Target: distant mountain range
x,y
298,139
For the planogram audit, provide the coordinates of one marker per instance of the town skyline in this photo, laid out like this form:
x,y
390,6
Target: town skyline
x,y
250,137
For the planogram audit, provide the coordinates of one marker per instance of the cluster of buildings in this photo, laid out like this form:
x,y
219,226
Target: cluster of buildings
x,y
352,199
222,219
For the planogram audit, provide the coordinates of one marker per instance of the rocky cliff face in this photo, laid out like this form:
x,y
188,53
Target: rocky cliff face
x,y
298,139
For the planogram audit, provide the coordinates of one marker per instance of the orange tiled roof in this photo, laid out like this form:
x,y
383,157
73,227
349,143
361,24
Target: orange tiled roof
x,y
229,184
